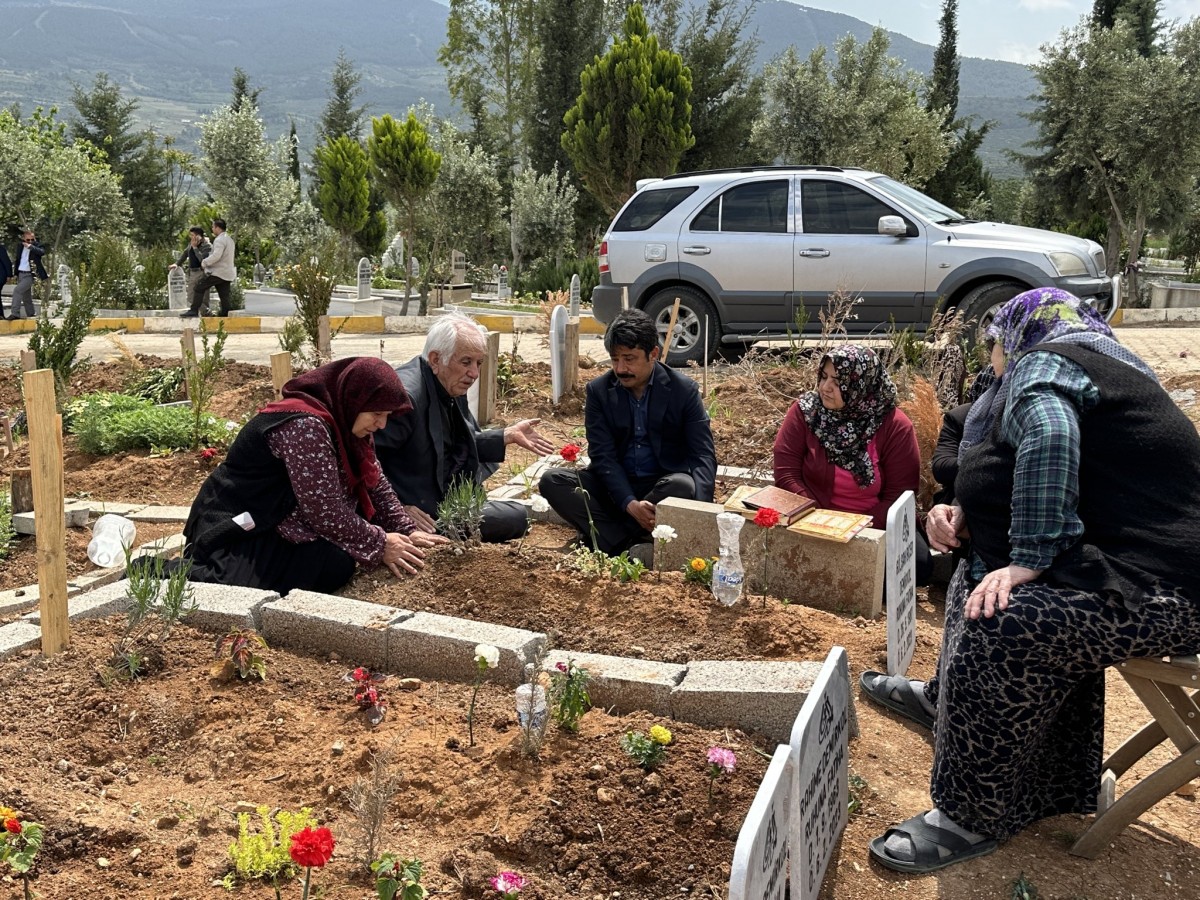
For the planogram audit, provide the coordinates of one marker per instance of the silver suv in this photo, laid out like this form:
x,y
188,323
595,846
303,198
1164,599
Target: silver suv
x,y
752,252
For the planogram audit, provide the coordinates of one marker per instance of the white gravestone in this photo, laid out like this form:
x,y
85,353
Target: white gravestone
x,y
760,857
901,580
393,256
574,296
365,273
821,787
177,290
503,291
458,267
64,284
260,274
558,352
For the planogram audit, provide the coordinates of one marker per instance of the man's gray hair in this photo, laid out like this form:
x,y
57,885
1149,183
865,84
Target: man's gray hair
x,y
444,334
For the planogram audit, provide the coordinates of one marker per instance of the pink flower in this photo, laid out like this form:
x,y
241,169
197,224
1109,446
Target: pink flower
x,y
722,759
509,884
561,666
361,674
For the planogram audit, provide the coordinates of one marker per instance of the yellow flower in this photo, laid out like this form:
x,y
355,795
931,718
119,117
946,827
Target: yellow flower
x,y
660,735
698,564
8,813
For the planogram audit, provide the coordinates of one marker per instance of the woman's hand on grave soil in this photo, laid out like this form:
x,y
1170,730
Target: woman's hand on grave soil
x,y
422,539
423,519
401,553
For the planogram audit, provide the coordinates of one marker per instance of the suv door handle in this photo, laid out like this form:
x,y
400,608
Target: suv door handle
x,y
814,253
697,251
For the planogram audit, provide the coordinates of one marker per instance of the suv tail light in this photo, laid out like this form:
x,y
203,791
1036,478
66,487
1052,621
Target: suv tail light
x,y
604,257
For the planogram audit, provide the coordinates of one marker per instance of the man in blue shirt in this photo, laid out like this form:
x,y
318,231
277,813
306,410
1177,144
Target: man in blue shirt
x,y
648,438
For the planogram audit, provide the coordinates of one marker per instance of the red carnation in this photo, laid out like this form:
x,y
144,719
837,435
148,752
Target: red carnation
x,y
361,674
312,847
766,517
208,453
12,826
570,452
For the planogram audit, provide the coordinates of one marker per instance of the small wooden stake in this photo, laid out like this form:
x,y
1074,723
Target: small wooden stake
x,y
324,340
571,358
187,349
45,455
281,371
670,331
488,386
28,360
6,441
22,490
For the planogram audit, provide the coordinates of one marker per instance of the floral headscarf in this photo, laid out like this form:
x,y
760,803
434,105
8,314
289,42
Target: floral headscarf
x,y
1043,314
868,394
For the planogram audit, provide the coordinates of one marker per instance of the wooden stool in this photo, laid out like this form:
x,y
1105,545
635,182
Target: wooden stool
x,y
1163,686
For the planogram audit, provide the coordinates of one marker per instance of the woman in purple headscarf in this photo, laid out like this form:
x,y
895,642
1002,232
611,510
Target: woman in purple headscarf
x,y
1079,482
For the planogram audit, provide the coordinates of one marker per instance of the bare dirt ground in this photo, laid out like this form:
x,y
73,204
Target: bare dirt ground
x,y
137,782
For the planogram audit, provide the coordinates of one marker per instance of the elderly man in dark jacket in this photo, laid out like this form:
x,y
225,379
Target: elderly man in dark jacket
x,y
425,451
648,438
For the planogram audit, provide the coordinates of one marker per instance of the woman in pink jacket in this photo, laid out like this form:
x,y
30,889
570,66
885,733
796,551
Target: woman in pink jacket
x,y
847,446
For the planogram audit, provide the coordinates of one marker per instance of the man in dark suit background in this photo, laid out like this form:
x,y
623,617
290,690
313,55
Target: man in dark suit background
x,y
423,452
27,265
648,438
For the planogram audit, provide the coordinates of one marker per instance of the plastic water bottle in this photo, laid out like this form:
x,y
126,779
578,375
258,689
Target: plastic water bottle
x,y
112,535
728,574
531,699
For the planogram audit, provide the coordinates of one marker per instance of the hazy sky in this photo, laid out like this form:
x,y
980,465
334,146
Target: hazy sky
x,y
995,29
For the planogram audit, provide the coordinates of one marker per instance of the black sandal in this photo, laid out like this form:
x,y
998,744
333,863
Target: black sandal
x,y
928,841
908,704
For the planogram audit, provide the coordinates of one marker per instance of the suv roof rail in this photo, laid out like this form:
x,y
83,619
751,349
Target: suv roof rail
x,y
738,169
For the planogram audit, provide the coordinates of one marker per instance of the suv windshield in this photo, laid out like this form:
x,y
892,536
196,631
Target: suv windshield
x,y
648,207
915,200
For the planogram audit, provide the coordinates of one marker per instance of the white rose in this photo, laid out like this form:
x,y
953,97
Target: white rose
x,y
539,504
488,654
664,533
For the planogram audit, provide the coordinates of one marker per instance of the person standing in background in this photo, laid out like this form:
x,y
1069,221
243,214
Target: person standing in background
x,y
29,263
219,272
193,256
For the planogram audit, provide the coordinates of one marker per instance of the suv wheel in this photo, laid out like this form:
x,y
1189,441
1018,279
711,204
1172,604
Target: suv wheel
x,y
687,344
980,305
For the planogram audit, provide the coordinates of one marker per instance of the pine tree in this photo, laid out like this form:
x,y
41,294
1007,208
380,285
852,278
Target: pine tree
x,y
340,116
343,195
294,158
242,92
106,122
632,116
405,167
943,80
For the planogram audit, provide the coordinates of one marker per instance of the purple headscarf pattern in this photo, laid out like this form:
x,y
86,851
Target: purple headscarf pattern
x,y
1042,314
868,394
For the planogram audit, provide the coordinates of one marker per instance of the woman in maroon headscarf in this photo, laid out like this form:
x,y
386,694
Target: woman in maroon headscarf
x,y
300,497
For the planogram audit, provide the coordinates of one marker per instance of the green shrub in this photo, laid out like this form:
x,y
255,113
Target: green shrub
x,y
544,276
159,385
263,853
7,533
116,423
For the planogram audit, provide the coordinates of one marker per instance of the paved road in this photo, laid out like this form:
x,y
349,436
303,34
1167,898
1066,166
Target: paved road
x,y
1160,346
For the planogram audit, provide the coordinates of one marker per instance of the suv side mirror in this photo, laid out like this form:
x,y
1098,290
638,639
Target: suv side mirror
x,y
893,226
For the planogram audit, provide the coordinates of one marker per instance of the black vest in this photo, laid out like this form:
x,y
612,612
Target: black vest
x,y
1139,490
249,480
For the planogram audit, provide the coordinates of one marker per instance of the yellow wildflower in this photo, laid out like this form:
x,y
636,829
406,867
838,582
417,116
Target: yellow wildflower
x,y
698,564
660,735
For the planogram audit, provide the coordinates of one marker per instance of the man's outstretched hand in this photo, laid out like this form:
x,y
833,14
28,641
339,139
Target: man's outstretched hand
x,y
524,434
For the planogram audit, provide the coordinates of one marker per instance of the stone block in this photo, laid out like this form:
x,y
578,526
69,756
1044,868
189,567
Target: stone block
x,y
623,683
75,516
843,578
433,646
223,608
755,696
323,623
100,507
166,547
160,514
18,636
94,604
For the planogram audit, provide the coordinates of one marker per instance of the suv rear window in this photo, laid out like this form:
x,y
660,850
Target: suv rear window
x,y
649,206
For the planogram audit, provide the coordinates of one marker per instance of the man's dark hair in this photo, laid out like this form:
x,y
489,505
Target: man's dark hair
x,y
631,328
220,223
196,229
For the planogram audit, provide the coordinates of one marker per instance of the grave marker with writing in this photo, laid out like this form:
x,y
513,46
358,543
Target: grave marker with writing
x,y
177,290
458,267
574,296
503,291
900,578
760,858
64,284
365,273
821,787
558,353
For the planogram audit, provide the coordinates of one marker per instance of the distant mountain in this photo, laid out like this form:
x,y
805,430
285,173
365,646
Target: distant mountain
x,y
177,58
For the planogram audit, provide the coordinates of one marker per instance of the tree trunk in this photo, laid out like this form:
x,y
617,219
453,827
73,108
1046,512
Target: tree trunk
x,y
1112,249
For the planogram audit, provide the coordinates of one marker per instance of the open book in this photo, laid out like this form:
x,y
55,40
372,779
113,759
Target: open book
x,y
828,524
